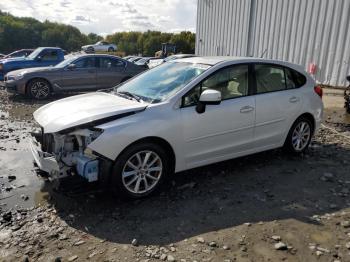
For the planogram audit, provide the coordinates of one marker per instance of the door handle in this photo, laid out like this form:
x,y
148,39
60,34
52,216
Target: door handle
x,y
294,99
246,109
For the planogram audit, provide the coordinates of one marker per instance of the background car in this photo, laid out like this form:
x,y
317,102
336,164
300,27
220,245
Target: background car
x,y
87,72
158,61
128,57
99,46
135,59
19,53
143,61
183,114
40,57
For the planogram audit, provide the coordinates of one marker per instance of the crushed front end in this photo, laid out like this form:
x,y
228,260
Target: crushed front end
x,y
66,153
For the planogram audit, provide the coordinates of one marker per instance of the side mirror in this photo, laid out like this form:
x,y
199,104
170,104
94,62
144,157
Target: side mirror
x,y
71,66
38,58
208,97
348,78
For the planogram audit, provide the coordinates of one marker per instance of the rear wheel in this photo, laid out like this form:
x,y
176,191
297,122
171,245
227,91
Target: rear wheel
x,y
140,170
39,89
111,49
90,50
299,136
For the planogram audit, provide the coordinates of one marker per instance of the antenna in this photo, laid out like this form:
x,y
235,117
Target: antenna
x,y
262,55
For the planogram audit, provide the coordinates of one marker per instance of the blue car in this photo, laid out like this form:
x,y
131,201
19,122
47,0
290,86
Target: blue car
x,y
40,57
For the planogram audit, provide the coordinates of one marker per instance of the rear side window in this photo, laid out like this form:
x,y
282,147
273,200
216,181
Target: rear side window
x,y
298,79
269,78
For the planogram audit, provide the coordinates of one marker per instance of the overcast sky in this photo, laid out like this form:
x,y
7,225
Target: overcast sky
x,y
108,16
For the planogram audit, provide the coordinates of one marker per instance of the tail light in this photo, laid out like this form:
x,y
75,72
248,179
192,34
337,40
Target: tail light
x,y
318,91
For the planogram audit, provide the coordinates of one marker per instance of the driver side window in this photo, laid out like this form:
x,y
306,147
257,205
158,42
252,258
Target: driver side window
x,y
231,81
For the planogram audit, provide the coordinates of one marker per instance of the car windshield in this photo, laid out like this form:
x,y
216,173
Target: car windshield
x,y
161,82
66,62
35,53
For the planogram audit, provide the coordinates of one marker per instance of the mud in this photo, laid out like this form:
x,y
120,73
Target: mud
x,y
232,211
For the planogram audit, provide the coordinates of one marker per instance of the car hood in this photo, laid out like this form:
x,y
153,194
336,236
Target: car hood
x,y
85,46
14,59
83,109
33,70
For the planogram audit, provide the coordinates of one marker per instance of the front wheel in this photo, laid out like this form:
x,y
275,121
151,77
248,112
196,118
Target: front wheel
x,y
299,136
39,89
111,49
140,171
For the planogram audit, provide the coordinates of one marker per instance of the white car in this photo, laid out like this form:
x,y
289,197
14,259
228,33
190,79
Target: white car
x,y
183,114
100,46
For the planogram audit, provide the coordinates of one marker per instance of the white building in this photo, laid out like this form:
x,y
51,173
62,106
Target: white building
x,y
312,33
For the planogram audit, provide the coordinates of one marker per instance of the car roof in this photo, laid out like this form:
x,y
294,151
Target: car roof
x,y
212,60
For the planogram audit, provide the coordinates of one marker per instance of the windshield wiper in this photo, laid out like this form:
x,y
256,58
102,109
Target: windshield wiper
x,y
136,97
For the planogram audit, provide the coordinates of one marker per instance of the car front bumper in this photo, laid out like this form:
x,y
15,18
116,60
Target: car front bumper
x,y
45,161
14,86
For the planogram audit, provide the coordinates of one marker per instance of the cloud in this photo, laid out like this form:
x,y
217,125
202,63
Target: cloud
x,y
102,17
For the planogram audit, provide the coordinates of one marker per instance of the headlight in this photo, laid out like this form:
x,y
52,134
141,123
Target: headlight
x,y
19,76
15,77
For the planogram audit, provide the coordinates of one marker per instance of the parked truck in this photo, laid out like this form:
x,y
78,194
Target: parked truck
x,y
42,56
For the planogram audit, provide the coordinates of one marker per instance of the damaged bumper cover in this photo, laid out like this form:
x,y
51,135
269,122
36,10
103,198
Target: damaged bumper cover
x,y
45,161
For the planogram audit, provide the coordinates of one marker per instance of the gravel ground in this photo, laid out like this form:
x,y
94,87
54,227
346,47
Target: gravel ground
x,y
266,207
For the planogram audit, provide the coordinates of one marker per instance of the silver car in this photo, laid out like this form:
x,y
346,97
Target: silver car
x,y
87,72
100,46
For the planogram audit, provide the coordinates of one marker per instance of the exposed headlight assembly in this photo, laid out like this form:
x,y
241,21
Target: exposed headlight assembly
x,y
95,133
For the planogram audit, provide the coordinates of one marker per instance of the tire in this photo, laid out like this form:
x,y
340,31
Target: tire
x,y
39,89
298,143
90,50
110,49
130,178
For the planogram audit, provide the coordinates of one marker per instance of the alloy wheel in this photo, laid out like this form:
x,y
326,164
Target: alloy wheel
x,y
142,172
40,90
301,136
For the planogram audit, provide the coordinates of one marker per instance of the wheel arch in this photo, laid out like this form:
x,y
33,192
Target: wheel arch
x,y
37,78
310,117
159,141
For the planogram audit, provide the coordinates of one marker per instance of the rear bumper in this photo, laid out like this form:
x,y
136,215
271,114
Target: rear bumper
x,y
45,161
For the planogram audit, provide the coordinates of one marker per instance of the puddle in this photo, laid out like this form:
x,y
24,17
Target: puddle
x,y
19,164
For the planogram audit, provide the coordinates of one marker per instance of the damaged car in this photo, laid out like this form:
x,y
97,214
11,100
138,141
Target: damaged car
x,y
180,115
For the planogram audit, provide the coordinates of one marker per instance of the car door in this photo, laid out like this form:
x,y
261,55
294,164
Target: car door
x,y
223,131
110,72
278,104
81,77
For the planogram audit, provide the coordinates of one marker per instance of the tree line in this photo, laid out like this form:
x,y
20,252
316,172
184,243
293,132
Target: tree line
x,y
23,32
